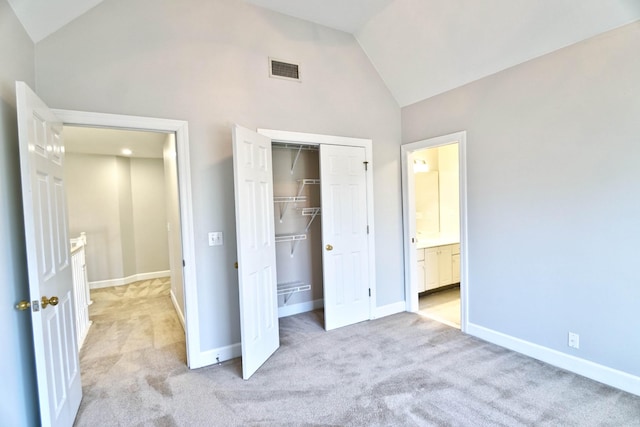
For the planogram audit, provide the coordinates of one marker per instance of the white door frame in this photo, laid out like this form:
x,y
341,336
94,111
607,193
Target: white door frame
x,y
409,220
367,144
195,357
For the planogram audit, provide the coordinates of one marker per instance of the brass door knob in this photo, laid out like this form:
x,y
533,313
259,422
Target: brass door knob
x,y
46,301
329,247
23,305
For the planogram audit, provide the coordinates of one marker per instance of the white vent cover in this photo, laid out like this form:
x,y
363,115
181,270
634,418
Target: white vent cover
x,y
284,70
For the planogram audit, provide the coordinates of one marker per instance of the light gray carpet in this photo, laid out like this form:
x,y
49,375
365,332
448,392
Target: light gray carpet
x,y
402,370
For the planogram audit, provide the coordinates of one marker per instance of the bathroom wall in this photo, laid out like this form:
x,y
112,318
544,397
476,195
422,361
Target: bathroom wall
x,y
437,193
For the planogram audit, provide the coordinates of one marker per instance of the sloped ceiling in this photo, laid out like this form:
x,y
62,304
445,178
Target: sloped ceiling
x,y
420,47
41,18
425,47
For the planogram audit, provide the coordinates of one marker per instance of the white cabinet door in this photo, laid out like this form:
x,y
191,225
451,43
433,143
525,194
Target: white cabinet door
x,y
255,236
345,255
48,259
422,285
431,268
455,267
444,266
420,270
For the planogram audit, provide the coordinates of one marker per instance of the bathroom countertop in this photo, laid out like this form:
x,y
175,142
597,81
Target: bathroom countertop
x,y
431,242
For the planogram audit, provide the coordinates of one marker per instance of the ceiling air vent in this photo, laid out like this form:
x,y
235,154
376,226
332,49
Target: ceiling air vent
x,y
284,70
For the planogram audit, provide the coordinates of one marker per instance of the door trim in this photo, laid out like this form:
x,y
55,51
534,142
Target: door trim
x,y
195,357
367,144
409,220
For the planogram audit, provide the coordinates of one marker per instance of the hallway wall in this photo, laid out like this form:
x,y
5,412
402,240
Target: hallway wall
x,y
119,202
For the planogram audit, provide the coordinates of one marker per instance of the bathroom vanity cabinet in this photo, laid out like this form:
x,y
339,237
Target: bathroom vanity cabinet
x,y
438,266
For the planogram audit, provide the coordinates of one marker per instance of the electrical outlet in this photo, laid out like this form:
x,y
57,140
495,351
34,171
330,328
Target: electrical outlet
x,y
574,340
215,238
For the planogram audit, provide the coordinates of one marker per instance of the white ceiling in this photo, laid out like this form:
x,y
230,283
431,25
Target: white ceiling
x,y
110,142
420,48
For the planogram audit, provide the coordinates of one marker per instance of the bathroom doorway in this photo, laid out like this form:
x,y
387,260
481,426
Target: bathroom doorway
x,y
434,201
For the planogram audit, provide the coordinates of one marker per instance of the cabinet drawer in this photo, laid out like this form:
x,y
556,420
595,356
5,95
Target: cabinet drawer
x,y
455,249
420,255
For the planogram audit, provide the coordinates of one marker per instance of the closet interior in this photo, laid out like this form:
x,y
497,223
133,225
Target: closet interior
x,y
298,228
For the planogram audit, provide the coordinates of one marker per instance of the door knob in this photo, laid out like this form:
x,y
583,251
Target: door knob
x,y
23,305
329,247
46,301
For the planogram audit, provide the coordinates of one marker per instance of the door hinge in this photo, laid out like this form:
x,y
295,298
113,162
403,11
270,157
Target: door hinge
x,y
369,292
183,263
367,229
366,165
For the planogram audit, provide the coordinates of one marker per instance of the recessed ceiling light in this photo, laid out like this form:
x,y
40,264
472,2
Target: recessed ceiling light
x,y
127,152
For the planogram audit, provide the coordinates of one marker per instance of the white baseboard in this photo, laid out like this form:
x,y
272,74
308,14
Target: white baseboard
x,y
178,311
389,309
614,378
303,307
211,357
130,279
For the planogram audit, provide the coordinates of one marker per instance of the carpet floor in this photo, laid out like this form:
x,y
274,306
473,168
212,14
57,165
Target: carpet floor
x,y
401,370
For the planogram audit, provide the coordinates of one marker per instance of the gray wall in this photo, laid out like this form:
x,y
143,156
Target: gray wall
x,y
553,172
19,402
149,215
127,236
207,62
94,207
119,202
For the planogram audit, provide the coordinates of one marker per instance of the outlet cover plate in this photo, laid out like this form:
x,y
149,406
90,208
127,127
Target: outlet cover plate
x,y
574,340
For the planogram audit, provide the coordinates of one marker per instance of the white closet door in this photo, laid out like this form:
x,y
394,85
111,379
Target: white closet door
x,y
48,259
344,235
256,248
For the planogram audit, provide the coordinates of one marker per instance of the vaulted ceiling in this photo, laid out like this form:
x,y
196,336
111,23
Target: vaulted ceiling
x,y
420,48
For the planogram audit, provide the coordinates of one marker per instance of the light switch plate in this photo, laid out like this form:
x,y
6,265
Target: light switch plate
x,y
216,238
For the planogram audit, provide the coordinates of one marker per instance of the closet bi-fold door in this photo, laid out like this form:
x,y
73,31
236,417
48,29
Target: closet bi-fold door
x,y
253,181
344,235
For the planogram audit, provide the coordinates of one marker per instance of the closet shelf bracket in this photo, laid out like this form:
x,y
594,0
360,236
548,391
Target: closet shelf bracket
x,y
313,213
296,150
306,181
293,238
295,160
288,289
285,203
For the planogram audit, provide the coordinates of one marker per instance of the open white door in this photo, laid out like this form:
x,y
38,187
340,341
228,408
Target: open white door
x,y
253,182
48,259
344,235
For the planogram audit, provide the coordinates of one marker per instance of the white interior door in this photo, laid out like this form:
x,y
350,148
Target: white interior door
x,y
48,259
344,235
253,181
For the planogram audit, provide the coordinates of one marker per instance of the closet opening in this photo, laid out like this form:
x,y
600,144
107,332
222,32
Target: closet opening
x,y
298,229
304,230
